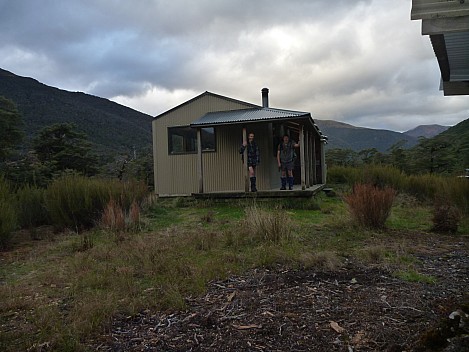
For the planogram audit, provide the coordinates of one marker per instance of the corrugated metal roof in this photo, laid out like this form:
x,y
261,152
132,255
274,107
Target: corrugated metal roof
x,y
446,22
248,115
457,47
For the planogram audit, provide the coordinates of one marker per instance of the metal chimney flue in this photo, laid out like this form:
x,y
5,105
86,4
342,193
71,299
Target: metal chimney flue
x,y
265,97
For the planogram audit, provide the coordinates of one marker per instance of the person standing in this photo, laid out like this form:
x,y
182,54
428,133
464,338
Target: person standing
x,y
286,156
254,158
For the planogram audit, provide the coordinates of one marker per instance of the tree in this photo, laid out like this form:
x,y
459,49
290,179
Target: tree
x,y
372,156
433,155
398,155
61,147
10,127
341,157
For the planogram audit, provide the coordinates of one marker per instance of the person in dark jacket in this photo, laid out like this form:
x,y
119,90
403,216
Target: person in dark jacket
x,y
286,156
254,158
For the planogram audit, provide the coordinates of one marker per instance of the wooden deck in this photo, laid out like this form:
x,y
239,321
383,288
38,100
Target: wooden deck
x,y
297,192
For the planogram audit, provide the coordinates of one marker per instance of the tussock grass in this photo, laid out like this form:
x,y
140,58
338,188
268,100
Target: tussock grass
x,y
271,226
322,260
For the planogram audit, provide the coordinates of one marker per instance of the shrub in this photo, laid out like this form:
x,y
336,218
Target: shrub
x,y
457,190
370,206
32,211
383,176
78,202
8,216
446,216
424,187
267,226
377,175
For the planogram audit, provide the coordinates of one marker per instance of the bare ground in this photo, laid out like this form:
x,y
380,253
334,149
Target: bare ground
x,y
356,308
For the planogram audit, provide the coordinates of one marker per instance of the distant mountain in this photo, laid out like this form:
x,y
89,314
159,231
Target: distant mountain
x,y
427,131
345,136
110,126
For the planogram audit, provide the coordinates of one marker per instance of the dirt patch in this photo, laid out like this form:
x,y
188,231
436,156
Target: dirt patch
x,y
356,308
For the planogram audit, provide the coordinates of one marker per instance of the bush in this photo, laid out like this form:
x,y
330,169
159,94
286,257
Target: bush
x,y
446,216
78,202
377,175
8,216
267,226
370,206
32,210
424,187
457,190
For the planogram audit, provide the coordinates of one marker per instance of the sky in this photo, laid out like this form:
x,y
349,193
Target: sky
x,y
360,62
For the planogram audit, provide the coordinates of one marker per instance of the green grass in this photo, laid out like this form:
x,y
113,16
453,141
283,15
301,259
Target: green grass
x,y
416,218
411,275
57,292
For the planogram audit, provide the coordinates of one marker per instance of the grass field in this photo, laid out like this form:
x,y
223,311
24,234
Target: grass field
x,y
59,291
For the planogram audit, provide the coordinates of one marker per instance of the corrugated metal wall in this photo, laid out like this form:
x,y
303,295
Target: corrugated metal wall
x,y
223,170
177,174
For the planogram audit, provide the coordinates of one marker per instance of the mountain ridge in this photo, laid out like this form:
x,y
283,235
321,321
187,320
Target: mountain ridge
x,y
113,127
109,125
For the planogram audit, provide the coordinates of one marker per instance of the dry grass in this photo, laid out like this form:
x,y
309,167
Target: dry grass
x,y
116,219
267,226
323,260
57,294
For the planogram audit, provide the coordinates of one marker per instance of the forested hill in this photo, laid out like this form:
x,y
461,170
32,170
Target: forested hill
x,y
110,126
345,136
455,142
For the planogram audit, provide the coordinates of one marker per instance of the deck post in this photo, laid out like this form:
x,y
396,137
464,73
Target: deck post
x,y
307,161
200,166
302,157
323,161
315,166
311,161
245,163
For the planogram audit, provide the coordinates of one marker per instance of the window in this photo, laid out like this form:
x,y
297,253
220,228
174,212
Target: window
x,y
183,140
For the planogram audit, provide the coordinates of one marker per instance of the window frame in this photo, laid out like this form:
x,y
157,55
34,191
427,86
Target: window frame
x,y
170,142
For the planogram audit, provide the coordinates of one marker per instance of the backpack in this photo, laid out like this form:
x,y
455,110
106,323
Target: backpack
x,y
292,147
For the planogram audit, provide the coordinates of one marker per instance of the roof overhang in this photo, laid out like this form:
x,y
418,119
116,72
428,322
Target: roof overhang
x,y
447,24
256,115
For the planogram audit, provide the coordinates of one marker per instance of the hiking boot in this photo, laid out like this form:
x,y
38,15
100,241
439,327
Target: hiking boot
x,y
284,183
253,184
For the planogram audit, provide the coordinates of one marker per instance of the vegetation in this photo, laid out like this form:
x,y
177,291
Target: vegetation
x,y
8,217
61,147
370,206
111,127
31,209
78,202
59,293
425,187
10,127
445,154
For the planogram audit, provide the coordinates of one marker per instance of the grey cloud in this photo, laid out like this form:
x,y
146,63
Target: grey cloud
x,y
358,61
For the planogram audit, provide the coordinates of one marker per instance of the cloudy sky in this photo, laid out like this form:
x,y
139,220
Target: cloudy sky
x,y
359,62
